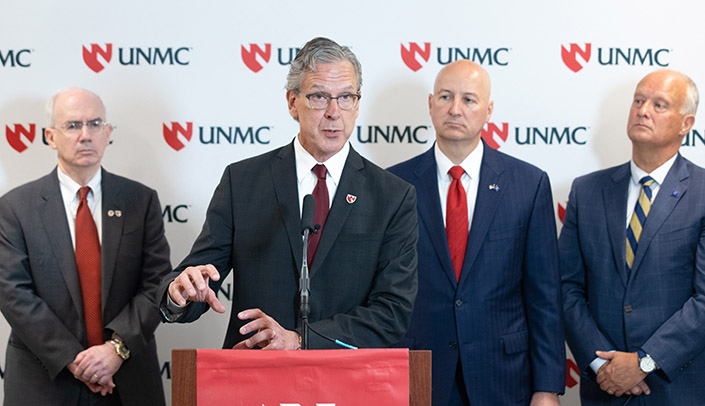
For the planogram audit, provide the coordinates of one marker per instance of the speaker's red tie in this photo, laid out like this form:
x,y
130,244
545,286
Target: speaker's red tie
x,y
457,220
320,194
88,263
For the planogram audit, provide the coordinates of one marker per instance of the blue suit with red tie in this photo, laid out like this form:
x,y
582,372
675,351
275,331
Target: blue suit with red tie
x,y
502,319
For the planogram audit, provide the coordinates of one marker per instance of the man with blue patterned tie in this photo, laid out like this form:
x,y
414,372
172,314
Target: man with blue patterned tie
x,y
633,260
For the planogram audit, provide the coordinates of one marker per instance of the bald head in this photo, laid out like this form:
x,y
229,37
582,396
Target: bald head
x,y
662,112
71,94
460,106
78,132
469,70
679,84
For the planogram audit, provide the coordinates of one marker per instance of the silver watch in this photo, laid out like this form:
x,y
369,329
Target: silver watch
x,y
647,364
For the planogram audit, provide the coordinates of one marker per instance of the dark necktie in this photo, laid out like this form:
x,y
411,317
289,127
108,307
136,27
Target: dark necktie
x,y
88,263
320,194
457,220
636,223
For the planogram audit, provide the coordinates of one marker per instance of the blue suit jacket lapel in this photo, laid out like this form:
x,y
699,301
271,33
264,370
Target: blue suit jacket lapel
x,y
674,187
614,197
53,216
486,204
430,212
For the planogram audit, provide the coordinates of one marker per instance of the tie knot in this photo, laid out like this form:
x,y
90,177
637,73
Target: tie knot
x,y
456,172
647,181
320,171
83,192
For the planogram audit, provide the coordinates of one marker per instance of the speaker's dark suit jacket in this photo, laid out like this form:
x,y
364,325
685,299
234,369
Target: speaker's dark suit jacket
x,y
502,319
363,281
661,306
40,294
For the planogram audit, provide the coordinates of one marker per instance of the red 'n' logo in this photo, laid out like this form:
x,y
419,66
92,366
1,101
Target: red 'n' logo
x,y
488,135
171,135
572,373
408,55
250,57
91,57
14,137
570,56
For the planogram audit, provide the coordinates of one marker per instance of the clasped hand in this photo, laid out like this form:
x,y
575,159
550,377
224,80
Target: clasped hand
x,y
621,374
95,367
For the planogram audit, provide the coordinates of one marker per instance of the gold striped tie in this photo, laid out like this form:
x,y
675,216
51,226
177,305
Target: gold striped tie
x,y
636,223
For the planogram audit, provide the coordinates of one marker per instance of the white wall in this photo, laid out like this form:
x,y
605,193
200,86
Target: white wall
x,y
209,85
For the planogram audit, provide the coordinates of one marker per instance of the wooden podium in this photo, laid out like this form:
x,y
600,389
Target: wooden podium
x,y
184,388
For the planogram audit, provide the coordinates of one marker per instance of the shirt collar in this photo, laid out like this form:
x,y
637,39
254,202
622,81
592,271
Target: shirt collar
x,y
72,186
471,164
306,161
658,174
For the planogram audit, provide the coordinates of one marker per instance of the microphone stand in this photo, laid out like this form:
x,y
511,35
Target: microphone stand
x,y
305,282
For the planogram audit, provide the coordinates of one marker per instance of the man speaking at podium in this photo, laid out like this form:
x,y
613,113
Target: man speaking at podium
x,y
362,259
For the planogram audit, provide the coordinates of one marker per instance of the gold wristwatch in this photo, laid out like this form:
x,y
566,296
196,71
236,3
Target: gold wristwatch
x,y
120,348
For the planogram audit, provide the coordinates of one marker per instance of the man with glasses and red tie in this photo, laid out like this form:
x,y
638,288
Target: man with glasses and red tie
x,y
488,304
632,252
362,256
82,252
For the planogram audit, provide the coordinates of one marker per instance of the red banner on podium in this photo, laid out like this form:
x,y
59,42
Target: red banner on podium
x,y
303,378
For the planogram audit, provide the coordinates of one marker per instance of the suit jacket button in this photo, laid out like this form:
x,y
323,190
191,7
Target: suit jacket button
x,y
628,308
452,345
459,303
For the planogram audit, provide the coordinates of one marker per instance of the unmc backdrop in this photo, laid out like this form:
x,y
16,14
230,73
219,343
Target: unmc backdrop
x,y
193,86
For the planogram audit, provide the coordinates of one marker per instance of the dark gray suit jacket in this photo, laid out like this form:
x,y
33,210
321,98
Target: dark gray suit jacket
x,y
363,281
40,294
661,306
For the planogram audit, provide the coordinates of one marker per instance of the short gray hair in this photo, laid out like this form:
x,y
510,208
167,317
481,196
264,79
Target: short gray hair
x,y
319,50
692,98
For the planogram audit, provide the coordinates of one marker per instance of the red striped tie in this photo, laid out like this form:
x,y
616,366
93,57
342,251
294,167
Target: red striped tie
x,y
88,263
457,220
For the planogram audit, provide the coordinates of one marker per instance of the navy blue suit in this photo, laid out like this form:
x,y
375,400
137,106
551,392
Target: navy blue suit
x,y
661,306
502,319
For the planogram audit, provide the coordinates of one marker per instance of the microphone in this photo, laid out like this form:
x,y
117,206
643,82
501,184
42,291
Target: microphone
x,y
307,228
304,281
307,214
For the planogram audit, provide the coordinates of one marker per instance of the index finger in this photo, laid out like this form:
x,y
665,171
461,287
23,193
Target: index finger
x,y
192,280
199,275
210,271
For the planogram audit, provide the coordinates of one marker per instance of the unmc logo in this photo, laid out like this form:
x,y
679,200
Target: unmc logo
x,y
570,56
614,56
409,55
249,57
135,56
171,135
14,137
90,57
488,135
15,58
